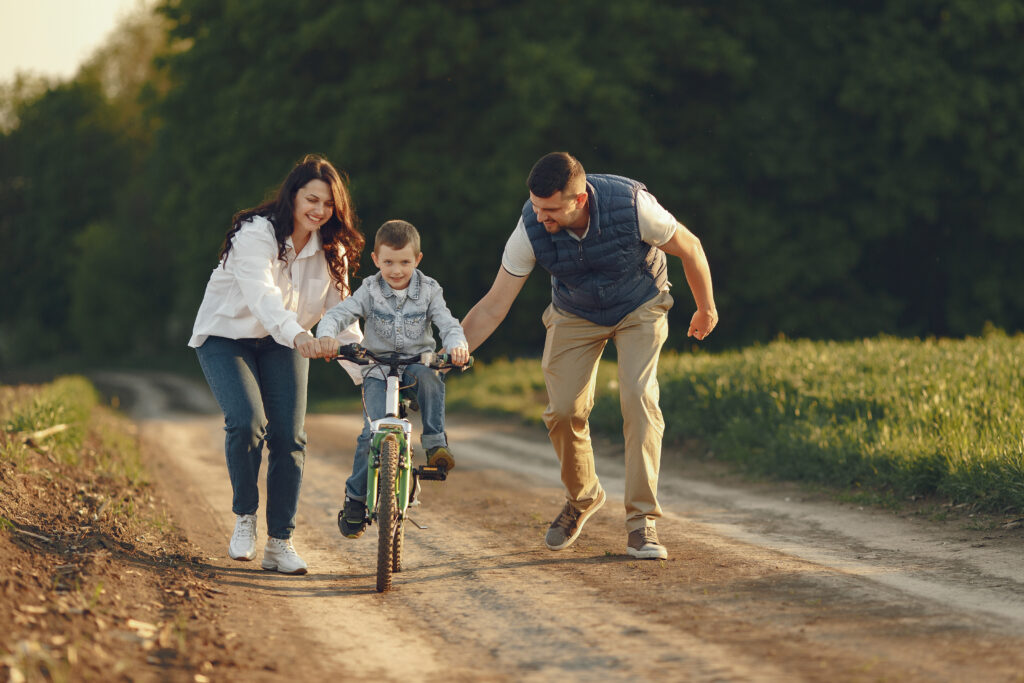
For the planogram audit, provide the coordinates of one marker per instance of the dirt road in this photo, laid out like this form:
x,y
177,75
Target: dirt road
x,y
764,582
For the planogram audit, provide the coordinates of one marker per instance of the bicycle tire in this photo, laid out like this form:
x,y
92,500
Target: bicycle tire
x,y
396,553
387,512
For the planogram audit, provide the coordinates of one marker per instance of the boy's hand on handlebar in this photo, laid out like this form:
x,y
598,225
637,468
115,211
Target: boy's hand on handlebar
x,y
327,347
460,355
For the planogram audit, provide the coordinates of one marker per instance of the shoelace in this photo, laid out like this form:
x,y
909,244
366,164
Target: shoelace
x,y
649,535
246,528
567,517
286,547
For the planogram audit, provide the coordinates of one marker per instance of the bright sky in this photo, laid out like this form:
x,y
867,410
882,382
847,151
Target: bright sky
x,y
53,37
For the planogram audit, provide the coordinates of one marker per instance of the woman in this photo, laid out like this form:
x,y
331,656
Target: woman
x,y
281,266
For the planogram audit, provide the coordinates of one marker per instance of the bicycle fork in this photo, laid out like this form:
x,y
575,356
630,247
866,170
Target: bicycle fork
x,y
390,426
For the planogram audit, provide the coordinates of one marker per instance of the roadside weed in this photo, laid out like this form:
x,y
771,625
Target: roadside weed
x,y
66,402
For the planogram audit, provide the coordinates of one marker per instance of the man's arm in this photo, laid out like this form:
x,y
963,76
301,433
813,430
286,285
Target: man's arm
x,y
686,246
488,313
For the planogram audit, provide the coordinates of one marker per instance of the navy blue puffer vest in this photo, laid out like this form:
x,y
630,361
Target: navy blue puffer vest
x,y
611,272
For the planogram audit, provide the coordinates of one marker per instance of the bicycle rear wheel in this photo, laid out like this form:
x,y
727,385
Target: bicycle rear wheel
x,y
387,512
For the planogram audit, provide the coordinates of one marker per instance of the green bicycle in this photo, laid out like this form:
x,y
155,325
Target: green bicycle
x,y
392,481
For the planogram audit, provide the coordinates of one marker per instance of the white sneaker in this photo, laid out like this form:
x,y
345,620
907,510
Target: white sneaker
x,y
243,541
643,543
280,555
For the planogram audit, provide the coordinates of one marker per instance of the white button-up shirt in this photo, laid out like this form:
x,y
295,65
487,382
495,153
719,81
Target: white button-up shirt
x,y
254,293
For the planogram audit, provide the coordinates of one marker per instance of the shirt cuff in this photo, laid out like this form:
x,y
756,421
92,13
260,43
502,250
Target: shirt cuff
x,y
289,331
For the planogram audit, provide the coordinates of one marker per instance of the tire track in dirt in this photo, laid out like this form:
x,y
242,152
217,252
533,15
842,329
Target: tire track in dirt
x,y
963,572
757,587
492,598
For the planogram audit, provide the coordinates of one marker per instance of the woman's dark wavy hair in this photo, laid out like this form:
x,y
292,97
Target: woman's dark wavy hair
x,y
339,236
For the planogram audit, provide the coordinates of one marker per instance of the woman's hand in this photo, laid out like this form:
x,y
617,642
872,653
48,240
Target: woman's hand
x,y
306,345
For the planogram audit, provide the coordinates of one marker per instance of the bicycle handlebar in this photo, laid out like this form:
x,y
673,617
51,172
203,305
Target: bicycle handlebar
x,y
362,356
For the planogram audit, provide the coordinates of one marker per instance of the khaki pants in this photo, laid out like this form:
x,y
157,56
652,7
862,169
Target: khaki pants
x,y
572,349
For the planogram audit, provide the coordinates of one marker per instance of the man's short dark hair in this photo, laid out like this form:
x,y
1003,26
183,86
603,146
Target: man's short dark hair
x,y
397,235
554,173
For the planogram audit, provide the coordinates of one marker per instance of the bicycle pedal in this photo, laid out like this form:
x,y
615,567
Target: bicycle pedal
x,y
432,473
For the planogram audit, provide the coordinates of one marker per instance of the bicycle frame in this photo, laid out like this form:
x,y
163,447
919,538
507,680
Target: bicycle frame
x,y
401,429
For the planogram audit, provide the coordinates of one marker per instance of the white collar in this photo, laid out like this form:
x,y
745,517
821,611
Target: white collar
x,y
314,239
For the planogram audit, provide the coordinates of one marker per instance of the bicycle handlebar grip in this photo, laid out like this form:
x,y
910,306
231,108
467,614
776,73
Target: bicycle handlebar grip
x,y
351,350
445,359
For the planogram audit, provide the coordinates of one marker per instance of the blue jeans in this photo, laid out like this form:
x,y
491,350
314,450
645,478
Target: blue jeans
x,y
429,393
261,388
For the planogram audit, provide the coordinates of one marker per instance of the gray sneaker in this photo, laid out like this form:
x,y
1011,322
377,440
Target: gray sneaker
x,y
643,544
567,526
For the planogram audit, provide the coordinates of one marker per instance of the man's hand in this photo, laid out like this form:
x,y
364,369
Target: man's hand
x,y
687,247
702,323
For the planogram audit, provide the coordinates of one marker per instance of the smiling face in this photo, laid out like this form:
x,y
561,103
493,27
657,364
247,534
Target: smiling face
x,y
396,265
314,205
561,210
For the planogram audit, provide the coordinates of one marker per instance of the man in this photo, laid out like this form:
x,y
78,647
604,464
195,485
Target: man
x,y
603,239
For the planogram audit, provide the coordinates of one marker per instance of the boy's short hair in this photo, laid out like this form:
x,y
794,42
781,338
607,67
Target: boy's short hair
x,y
397,235
557,172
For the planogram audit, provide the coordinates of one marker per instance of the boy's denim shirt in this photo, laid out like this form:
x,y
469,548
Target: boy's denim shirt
x,y
393,324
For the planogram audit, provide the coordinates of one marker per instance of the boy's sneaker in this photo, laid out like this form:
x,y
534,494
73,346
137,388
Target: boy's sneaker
x,y
643,543
440,456
279,555
352,518
569,523
243,540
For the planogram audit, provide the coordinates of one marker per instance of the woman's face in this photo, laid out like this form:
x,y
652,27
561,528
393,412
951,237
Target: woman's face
x,y
313,206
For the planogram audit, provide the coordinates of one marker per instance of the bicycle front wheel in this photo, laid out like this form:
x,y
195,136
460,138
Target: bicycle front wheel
x,y
387,512
396,553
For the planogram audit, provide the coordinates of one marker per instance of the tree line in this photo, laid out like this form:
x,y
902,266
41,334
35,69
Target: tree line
x,y
851,168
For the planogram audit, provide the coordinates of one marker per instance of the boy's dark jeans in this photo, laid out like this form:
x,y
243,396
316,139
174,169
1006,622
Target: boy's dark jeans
x,y
261,388
429,393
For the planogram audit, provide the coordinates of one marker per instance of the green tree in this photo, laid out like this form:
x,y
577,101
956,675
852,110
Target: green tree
x,y
850,168
61,164
437,110
72,158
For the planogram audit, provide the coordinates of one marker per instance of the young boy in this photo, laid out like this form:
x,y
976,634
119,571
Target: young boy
x,y
398,305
